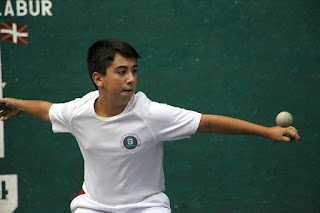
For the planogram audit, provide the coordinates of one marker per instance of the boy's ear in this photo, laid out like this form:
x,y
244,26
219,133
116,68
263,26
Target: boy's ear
x,y
97,79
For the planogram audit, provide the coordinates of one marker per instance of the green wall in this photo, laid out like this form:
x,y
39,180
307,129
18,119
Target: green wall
x,y
245,59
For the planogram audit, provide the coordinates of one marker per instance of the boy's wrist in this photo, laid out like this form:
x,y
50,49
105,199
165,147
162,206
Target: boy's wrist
x,y
265,132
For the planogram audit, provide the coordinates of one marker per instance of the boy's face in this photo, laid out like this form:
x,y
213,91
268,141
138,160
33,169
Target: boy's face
x,y
120,80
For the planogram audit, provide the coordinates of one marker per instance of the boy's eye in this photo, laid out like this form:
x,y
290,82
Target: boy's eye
x,y
121,72
134,71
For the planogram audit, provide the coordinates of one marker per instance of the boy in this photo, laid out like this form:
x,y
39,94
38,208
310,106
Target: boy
x,y
120,133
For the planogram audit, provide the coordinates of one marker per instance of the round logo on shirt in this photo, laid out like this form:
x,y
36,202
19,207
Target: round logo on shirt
x,y
130,142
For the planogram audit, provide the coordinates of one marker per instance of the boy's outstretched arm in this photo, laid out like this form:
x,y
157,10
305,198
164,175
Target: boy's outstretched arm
x,y
11,107
232,126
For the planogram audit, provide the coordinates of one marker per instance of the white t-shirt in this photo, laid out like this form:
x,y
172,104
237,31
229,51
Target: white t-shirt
x,y
123,154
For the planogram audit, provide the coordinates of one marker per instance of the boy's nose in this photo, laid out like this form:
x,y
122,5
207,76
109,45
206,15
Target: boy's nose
x,y
131,77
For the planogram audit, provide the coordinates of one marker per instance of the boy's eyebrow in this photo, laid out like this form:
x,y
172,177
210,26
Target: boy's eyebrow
x,y
125,67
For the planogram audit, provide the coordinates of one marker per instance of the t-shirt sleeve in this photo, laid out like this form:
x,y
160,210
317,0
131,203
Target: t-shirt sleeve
x,y
60,115
170,123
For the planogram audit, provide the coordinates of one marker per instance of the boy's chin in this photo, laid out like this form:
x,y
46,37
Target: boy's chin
x,y
127,95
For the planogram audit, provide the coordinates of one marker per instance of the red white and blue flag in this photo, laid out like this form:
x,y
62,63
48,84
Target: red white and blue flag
x,y
17,34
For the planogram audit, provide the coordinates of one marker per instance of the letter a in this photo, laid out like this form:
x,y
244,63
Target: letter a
x,y
8,9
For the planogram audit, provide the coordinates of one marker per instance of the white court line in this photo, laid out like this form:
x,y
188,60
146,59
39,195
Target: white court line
x,y
1,122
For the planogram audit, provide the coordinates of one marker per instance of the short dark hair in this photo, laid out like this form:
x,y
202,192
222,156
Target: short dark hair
x,y
101,55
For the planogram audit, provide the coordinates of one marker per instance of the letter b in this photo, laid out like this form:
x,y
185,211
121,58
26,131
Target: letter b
x,y
22,9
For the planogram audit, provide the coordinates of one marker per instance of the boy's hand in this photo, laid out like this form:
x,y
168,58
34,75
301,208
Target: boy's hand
x,y
286,135
8,109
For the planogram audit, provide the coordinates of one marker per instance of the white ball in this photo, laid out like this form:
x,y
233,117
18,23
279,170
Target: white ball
x,y
284,119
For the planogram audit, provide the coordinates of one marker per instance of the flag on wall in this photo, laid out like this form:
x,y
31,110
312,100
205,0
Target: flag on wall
x,y
17,34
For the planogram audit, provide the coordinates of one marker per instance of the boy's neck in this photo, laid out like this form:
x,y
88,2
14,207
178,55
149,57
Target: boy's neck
x,y
105,108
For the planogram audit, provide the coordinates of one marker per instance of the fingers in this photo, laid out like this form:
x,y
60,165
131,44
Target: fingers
x,y
293,134
4,118
2,113
286,139
2,105
8,109
8,113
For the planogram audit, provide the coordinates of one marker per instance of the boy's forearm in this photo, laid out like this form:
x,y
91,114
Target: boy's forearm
x,y
230,126
39,109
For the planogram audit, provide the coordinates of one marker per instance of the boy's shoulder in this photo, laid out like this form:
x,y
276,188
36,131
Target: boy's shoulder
x,y
84,101
140,96
142,104
140,100
145,106
87,97
90,95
